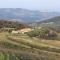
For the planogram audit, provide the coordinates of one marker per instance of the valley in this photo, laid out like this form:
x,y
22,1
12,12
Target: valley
x,y
29,35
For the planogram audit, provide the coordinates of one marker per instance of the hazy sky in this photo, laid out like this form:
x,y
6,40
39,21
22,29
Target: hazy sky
x,y
42,5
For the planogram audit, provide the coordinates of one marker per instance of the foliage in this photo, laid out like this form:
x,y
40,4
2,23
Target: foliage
x,y
19,56
12,48
6,25
43,33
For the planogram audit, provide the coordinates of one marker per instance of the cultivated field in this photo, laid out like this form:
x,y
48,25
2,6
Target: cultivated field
x,y
23,47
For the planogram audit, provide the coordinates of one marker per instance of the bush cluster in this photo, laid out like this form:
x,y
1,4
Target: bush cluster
x,y
43,33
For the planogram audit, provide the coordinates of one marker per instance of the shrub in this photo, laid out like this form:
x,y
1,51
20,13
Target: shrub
x,y
43,33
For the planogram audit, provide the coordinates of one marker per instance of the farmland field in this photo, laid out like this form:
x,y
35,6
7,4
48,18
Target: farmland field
x,y
23,47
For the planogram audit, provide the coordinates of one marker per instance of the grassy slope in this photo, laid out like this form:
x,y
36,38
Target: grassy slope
x,y
22,47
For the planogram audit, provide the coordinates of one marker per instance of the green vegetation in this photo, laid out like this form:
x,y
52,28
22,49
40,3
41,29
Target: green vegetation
x,y
41,43
10,25
38,44
44,33
23,47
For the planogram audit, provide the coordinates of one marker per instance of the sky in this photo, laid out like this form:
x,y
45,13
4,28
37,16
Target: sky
x,y
42,5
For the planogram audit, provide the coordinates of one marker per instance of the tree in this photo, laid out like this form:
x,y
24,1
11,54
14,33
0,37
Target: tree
x,y
42,33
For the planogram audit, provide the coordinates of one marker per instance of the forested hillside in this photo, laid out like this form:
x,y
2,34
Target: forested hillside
x,y
11,24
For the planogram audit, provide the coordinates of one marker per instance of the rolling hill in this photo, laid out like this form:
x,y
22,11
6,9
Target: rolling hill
x,y
25,15
11,24
52,23
54,20
21,46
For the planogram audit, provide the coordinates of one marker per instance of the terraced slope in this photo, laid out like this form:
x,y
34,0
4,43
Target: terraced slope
x,y
22,47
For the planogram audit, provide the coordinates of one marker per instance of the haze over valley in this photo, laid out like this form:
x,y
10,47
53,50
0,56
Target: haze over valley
x,y
29,30
25,15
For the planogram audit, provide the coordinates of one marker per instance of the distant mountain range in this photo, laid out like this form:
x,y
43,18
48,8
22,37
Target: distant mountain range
x,y
24,15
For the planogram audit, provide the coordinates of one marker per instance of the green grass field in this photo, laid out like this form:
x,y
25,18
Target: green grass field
x,y
23,47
